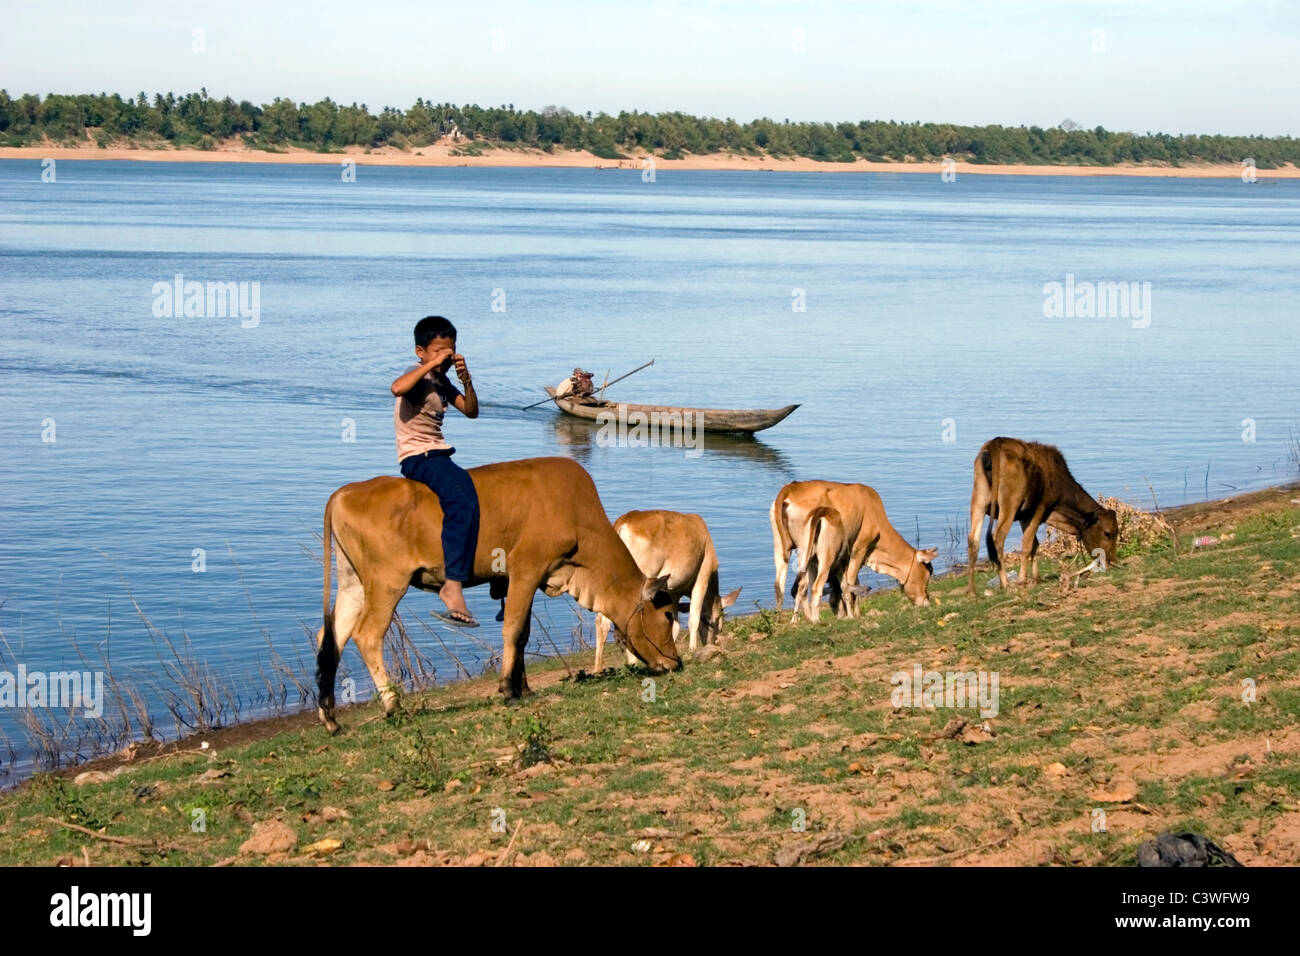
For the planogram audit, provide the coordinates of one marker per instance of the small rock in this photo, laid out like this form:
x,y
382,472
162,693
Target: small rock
x,y
385,786
951,730
451,785
91,777
641,846
477,858
1119,790
797,853
330,814
270,836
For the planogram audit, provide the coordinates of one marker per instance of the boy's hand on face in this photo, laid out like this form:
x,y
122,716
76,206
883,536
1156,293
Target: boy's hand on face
x,y
437,358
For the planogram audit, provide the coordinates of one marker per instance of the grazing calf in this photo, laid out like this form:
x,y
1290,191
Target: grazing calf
x,y
1030,483
823,558
869,537
680,549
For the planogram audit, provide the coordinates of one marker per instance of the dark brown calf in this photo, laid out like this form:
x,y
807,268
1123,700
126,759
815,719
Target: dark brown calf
x,y
1030,483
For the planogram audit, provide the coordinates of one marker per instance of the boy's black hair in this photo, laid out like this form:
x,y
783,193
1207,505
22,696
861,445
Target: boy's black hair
x,y
433,327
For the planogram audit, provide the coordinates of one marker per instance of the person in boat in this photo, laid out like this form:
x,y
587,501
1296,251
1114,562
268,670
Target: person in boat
x,y
423,392
578,386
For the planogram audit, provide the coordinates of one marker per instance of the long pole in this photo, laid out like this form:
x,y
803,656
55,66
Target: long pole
x,y
633,372
603,387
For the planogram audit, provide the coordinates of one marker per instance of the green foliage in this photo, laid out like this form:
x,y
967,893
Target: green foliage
x,y
765,621
67,804
423,759
197,119
537,740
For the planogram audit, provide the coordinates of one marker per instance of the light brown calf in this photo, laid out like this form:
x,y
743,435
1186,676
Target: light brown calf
x,y
823,558
871,539
676,547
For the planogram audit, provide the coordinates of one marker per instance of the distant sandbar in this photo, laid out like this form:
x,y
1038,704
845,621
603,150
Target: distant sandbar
x,y
446,154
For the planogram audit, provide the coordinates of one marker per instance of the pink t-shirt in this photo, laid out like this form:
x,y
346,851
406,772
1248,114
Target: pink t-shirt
x,y
417,415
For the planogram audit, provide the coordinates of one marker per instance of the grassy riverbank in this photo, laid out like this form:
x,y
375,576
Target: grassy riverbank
x,y
1123,695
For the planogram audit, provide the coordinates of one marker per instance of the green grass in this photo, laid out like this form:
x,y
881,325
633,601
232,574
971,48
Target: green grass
x,y
1136,674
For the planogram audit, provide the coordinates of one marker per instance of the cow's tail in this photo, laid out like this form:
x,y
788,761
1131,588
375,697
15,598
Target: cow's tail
x,y
987,464
781,544
327,545
327,653
807,550
783,526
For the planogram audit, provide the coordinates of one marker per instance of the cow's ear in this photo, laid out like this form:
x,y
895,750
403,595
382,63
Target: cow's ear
x,y
730,599
652,586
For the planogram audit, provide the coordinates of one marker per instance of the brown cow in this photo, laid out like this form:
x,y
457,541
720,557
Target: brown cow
x,y
542,526
679,547
823,558
1028,482
872,540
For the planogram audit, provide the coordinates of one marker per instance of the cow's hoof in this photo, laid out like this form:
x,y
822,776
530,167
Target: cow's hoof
x,y
331,725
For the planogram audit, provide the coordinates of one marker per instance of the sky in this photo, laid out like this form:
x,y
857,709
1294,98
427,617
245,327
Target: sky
x,y
1196,66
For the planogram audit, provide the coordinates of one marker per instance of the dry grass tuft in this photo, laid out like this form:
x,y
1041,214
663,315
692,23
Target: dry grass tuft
x,y
1136,527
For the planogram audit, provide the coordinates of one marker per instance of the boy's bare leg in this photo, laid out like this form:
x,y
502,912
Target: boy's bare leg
x,y
453,595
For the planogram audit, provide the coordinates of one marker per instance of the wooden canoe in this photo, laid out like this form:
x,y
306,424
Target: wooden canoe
x,y
747,420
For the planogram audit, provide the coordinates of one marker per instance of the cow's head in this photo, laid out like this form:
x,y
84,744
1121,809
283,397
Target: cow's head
x,y
1101,530
649,631
916,583
720,604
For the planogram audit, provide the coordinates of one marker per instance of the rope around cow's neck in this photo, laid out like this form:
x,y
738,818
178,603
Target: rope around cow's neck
x,y
639,610
911,566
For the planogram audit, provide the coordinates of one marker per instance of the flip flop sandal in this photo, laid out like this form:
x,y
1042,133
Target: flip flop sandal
x,y
457,618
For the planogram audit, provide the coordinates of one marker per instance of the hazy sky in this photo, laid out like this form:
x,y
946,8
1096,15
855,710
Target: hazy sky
x,y
1227,66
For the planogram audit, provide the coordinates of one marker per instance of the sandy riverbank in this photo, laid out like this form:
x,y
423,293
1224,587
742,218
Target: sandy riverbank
x,y
443,154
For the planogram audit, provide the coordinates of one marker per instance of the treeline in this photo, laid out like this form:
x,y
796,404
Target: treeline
x,y
197,120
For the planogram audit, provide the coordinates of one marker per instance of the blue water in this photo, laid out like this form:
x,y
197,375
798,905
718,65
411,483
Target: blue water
x,y
924,302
